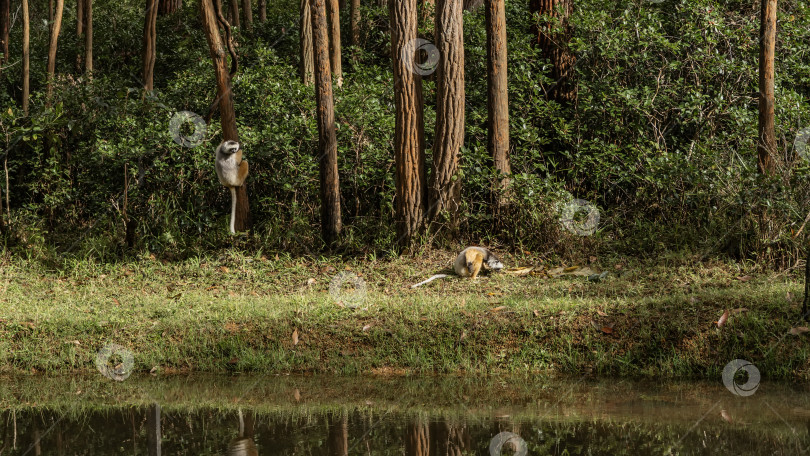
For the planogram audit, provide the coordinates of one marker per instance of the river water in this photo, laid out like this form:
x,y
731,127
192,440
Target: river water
x,y
412,416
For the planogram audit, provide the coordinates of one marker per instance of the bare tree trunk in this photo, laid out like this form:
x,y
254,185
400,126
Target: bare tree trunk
x,y
355,22
766,146
26,64
262,10
409,136
307,71
334,33
166,7
55,29
225,100
79,17
149,44
498,98
248,9
555,47
327,140
88,37
235,13
5,17
445,185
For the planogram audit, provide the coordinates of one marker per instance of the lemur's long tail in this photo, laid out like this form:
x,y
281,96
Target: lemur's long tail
x,y
437,276
233,210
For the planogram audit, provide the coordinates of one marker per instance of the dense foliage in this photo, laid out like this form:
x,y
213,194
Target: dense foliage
x,y
662,137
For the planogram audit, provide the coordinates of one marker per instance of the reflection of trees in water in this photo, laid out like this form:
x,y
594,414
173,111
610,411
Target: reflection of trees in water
x,y
243,445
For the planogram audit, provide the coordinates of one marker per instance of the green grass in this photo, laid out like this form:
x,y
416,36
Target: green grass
x,y
238,314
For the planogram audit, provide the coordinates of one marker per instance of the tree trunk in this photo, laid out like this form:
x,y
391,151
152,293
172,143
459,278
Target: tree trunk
x,y
555,47
79,17
219,56
417,438
5,17
235,13
149,44
262,10
55,29
26,63
355,22
334,32
307,71
498,98
327,140
248,9
166,7
445,185
409,137
766,146
88,37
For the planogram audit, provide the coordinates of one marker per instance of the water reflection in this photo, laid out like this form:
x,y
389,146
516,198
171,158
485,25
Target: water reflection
x,y
275,419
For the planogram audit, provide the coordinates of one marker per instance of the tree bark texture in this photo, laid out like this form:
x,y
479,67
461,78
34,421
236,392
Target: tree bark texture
x,y
55,29
262,10
355,22
88,36
166,7
766,145
248,11
497,95
79,17
26,63
327,140
334,34
149,44
555,46
409,153
5,17
307,62
219,55
445,185
235,13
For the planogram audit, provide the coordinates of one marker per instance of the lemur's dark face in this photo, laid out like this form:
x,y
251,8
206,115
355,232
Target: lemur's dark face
x,y
230,147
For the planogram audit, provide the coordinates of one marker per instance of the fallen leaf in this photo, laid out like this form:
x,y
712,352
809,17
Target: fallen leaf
x,y
722,320
600,313
117,303
536,312
726,416
740,310
310,281
366,328
799,330
519,271
499,308
223,269
297,395
607,330
295,337
789,297
744,278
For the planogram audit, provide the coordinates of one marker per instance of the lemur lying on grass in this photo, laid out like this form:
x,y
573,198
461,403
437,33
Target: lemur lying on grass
x,y
468,264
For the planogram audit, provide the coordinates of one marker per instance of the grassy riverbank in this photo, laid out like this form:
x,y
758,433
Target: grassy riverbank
x,y
236,313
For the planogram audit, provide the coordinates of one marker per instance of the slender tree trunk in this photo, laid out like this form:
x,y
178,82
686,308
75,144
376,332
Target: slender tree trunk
x,y
445,185
355,22
327,140
5,17
262,10
26,63
334,28
766,146
555,47
235,13
79,17
166,7
498,98
149,44
55,29
88,37
307,71
219,56
248,8
409,137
